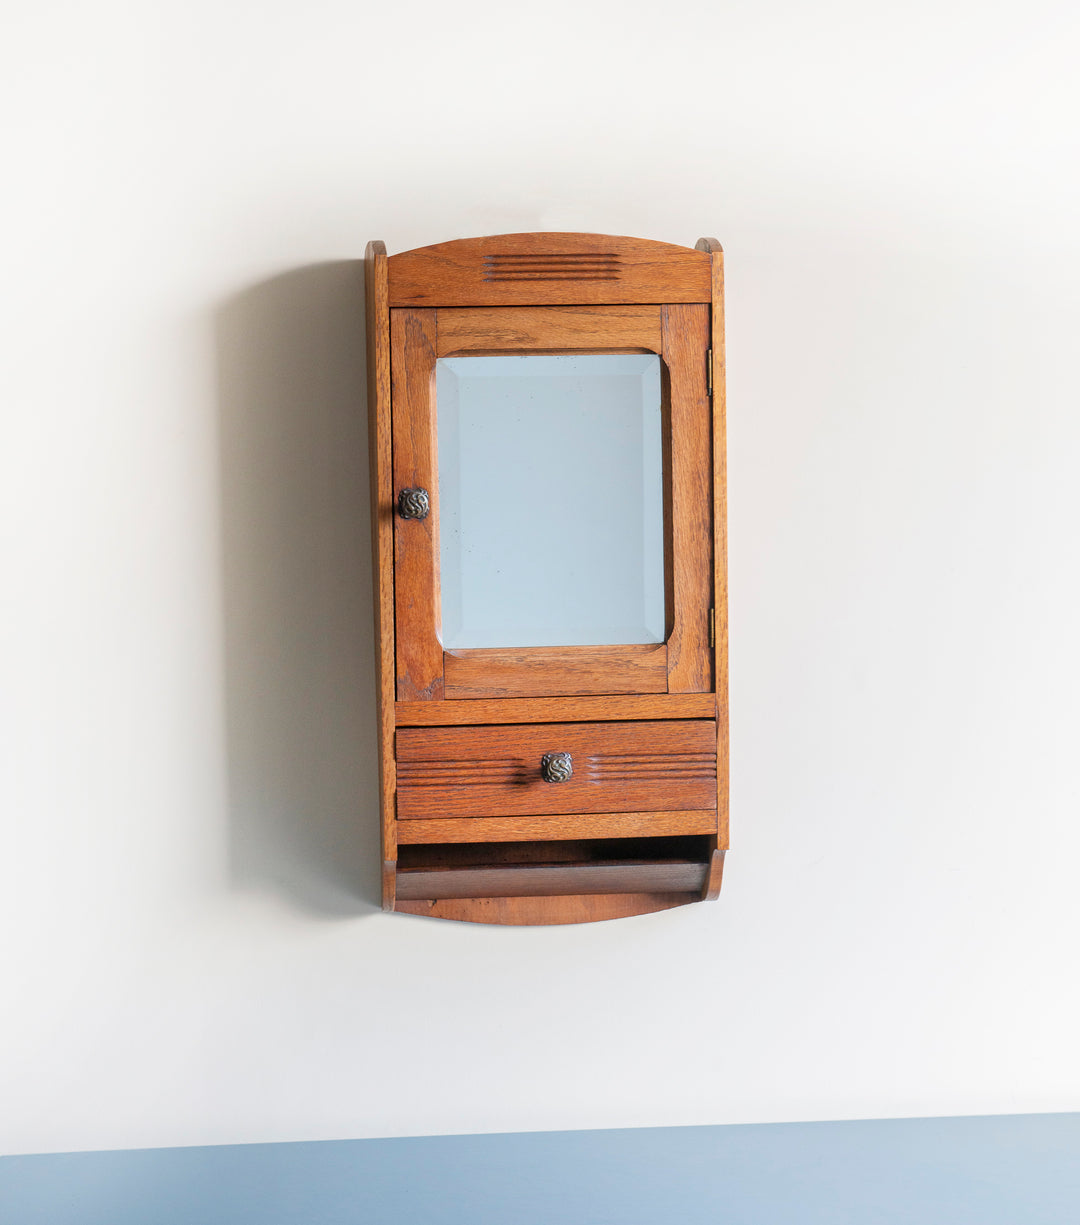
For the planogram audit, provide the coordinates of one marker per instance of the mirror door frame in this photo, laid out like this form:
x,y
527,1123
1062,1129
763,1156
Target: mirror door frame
x,y
680,333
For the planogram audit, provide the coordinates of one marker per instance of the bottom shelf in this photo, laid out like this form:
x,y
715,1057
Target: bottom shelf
x,y
577,881
547,911
548,880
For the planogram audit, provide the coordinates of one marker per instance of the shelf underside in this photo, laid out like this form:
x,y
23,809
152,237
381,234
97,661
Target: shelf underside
x,y
546,911
567,881
547,880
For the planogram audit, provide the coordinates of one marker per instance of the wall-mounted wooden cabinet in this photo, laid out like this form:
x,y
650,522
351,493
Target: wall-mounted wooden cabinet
x,y
548,510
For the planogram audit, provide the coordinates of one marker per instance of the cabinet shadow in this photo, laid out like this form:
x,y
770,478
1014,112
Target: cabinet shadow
x,y
297,591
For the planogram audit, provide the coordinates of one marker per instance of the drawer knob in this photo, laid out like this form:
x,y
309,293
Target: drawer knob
x,y
556,767
413,504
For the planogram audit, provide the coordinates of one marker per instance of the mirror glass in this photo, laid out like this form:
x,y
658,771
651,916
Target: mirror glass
x,y
551,513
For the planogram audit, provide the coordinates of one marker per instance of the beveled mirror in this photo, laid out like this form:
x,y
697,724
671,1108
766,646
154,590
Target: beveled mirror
x,y
551,500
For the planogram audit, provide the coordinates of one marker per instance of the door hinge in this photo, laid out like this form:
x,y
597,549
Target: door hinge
x,y
712,627
708,370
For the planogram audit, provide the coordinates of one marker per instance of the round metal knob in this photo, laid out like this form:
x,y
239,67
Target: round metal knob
x,y
413,504
556,767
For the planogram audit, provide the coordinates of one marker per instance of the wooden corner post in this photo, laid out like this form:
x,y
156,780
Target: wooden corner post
x,y
377,301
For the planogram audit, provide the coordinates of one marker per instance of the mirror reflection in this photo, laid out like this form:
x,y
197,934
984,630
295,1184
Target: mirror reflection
x,y
551,513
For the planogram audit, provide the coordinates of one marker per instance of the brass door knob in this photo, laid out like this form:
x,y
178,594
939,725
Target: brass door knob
x,y
556,767
413,504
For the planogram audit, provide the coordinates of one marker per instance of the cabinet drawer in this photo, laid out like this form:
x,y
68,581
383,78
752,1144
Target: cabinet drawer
x,y
659,766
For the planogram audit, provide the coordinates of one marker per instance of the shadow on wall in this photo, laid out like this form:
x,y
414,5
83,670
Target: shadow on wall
x,y
299,663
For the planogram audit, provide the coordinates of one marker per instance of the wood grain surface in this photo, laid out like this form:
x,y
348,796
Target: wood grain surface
x,y
546,911
716,254
556,710
416,541
686,343
382,542
553,671
547,828
710,890
548,270
549,328
495,770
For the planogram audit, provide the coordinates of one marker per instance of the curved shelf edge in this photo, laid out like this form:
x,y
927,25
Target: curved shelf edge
x,y
546,911
564,241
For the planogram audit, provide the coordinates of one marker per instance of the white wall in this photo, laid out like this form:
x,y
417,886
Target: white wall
x,y
191,951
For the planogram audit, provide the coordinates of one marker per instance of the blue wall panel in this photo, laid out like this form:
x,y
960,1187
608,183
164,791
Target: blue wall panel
x,y
996,1170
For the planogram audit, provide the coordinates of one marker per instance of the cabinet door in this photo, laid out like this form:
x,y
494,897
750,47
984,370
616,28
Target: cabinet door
x,y
563,545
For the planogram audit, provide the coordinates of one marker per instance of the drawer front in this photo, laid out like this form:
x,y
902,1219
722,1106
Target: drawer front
x,y
496,771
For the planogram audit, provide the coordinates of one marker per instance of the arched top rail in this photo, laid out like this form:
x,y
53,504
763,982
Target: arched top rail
x,y
549,270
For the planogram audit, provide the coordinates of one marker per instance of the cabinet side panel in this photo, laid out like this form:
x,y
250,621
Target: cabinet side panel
x,y
686,343
416,541
716,254
382,542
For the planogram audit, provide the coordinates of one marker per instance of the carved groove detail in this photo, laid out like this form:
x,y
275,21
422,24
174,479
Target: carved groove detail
x,y
652,768
467,772
514,771
566,267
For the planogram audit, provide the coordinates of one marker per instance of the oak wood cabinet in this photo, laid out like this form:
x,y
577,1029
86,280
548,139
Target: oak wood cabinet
x,y
548,516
